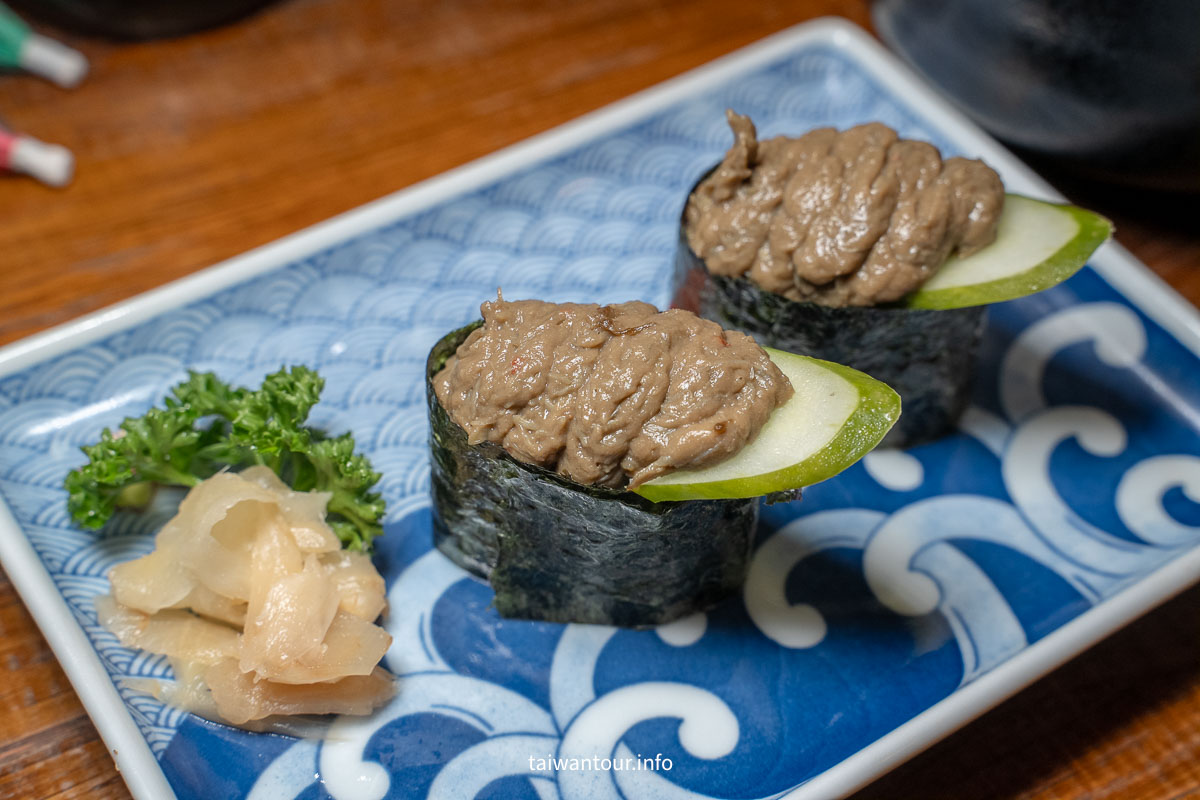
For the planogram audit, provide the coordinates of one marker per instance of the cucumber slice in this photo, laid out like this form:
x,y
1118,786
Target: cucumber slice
x,y
836,416
1038,245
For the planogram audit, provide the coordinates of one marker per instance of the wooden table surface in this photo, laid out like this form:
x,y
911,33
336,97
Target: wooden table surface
x,y
193,150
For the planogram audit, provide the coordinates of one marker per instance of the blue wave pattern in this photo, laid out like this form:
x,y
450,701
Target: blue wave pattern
x,y
880,594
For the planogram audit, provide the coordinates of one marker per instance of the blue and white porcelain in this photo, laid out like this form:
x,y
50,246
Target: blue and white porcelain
x,y
894,603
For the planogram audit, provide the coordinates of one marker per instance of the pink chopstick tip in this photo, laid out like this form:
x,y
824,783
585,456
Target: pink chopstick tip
x,y
51,164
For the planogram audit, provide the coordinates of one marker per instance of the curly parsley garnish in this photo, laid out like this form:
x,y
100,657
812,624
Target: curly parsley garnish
x,y
208,426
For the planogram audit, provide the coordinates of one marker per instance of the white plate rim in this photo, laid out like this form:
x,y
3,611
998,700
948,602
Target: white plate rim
x,y
1138,284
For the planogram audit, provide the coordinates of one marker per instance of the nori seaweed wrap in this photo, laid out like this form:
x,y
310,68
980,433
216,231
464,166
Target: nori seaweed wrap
x,y
927,356
560,551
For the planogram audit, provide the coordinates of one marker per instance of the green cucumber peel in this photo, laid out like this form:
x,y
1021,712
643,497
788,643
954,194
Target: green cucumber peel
x,y
870,417
1069,235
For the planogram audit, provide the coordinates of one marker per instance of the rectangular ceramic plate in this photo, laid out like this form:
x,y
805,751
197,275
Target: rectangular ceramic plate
x,y
895,603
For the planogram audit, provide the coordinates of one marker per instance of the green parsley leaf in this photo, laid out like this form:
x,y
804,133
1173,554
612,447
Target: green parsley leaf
x,y
208,426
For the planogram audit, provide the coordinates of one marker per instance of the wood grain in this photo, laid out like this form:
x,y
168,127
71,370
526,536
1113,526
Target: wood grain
x,y
193,150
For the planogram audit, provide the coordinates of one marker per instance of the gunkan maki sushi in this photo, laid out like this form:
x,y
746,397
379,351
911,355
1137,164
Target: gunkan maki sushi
x,y
867,249
603,464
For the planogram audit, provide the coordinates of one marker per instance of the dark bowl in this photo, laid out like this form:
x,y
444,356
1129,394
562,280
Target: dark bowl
x,y
138,19
1106,89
